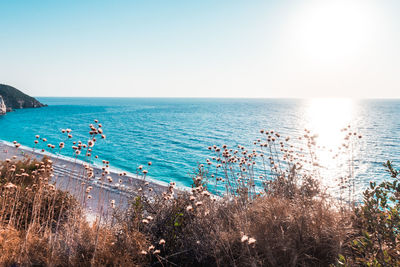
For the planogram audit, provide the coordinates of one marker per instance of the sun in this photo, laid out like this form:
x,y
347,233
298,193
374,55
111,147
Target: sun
x,y
331,32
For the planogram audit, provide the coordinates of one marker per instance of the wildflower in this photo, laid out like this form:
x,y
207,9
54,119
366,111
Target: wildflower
x,y
206,193
251,241
198,203
150,218
145,171
149,163
103,136
157,251
162,242
143,252
90,143
44,140
145,221
10,186
36,141
192,198
244,238
37,136
189,208
89,196
151,247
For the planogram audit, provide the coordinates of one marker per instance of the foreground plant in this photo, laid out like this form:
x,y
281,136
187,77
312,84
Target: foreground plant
x,y
376,241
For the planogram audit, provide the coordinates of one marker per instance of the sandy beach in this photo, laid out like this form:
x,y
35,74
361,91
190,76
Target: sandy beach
x,y
71,176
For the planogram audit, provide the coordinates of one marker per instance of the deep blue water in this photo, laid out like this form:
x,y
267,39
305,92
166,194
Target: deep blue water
x,y
174,133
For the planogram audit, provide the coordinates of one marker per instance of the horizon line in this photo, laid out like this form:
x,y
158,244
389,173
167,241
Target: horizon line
x,y
226,97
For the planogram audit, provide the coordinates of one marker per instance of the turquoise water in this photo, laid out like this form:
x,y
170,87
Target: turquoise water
x,y
174,134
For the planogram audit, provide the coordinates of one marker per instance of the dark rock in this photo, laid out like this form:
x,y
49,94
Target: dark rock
x,y
15,99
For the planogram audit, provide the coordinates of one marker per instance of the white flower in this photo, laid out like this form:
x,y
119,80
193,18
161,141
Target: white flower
x,y
251,241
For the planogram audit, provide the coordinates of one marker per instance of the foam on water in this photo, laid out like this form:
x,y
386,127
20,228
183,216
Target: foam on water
x,y
82,162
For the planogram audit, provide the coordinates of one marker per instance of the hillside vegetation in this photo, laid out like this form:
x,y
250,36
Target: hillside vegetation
x,y
15,99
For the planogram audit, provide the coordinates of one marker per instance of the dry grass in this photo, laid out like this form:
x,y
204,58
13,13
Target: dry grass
x,y
43,226
268,231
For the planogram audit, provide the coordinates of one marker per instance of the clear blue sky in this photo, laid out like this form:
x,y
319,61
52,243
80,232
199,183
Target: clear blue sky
x,y
310,48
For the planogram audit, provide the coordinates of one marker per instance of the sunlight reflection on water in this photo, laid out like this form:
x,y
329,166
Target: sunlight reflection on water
x,y
327,118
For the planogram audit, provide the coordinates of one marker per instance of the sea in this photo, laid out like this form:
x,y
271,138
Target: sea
x,y
175,133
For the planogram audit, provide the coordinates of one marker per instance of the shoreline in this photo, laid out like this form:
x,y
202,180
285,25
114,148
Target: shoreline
x,y
72,160
70,176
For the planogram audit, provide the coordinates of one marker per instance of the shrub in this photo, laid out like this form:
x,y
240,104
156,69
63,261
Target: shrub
x,y
377,226
270,230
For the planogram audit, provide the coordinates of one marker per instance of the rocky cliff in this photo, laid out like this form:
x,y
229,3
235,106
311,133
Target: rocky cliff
x,y
3,107
15,99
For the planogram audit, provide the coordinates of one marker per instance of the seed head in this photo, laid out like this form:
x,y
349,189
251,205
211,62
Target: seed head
x,y
251,241
189,208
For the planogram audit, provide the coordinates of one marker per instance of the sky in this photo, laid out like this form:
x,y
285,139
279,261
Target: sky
x,y
226,48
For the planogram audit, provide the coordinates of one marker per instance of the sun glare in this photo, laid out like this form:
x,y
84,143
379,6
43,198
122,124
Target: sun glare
x,y
326,118
330,32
